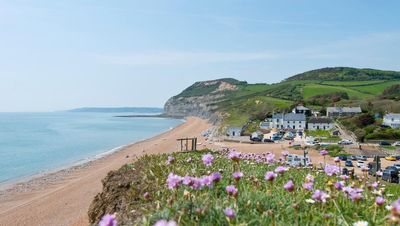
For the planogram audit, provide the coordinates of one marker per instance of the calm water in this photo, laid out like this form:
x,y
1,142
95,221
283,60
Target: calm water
x,y
32,143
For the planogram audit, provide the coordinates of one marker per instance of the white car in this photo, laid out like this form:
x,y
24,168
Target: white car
x,y
345,142
360,164
397,143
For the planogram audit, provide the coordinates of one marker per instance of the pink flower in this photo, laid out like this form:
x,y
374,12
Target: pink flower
x,y
207,159
289,186
280,169
336,159
395,207
165,223
344,177
173,181
216,177
320,196
170,160
285,153
355,196
324,152
375,185
206,181
237,175
234,156
108,220
270,176
339,185
309,178
270,158
231,190
379,201
331,170
229,213
308,186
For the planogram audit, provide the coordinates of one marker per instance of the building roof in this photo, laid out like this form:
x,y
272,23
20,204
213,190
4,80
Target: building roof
x,y
302,108
290,117
320,120
343,109
392,115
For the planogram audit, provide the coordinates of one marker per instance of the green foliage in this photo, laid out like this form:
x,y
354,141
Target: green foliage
x,y
384,134
258,202
346,74
392,92
329,98
207,87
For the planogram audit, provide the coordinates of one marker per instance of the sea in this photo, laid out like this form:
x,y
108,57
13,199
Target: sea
x,y
35,143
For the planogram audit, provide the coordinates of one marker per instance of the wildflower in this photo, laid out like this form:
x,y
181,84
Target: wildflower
x,y
395,208
229,213
187,180
285,153
320,196
289,186
207,159
308,186
237,175
216,177
270,176
173,181
331,170
344,177
231,190
170,160
339,185
379,201
355,196
206,181
234,156
360,223
165,223
309,178
323,152
270,158
146,195
280,169
336,159
375,185
108,220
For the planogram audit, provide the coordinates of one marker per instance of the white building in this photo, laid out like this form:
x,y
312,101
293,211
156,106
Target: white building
x,y
300,109
342,111
321,123
288,121
392,120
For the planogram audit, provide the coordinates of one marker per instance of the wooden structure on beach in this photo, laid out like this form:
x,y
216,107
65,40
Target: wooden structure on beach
x,y
185,142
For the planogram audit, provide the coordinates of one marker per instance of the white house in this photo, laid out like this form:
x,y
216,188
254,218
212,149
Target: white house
x,y
234,132
321,123
342,111
300,109
392,120
288,121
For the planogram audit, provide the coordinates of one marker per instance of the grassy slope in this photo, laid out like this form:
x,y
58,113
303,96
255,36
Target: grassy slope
x,y
258,202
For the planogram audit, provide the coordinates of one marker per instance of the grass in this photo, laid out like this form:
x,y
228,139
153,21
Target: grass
x,y
258,202
310,90
376,89
352,83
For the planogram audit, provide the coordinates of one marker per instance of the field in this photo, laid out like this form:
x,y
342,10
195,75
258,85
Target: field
x,y
210,188
310,90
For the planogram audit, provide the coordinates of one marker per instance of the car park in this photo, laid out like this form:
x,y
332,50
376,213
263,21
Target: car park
x,y
391,174
396,144
353,157
360,164
349,163
343,157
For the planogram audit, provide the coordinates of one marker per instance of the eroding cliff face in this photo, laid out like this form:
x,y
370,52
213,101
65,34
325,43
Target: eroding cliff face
x,y
201,98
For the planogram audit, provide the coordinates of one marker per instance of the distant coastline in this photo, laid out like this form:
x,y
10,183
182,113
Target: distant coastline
x,y
150,116
143,110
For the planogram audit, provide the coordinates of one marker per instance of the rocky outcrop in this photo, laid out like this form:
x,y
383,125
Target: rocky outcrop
x,y
201,98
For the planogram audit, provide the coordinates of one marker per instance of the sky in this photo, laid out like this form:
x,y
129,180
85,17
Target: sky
x,y
63,54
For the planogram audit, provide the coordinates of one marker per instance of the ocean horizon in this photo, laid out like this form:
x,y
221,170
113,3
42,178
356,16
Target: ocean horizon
x,y
37,143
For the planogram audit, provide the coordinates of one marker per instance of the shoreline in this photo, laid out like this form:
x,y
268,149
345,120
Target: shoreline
x,y
76,165
63,197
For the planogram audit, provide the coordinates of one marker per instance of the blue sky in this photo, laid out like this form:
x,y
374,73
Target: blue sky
x,y
63,54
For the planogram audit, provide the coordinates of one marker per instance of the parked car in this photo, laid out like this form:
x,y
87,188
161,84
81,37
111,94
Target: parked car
x,y
384,143
353,157
266,140
345,142
391,174
390,158
349,163
396,144
343,157
397,166
360,164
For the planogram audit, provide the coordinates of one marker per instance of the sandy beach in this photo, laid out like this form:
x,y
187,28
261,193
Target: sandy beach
x,y
63,197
